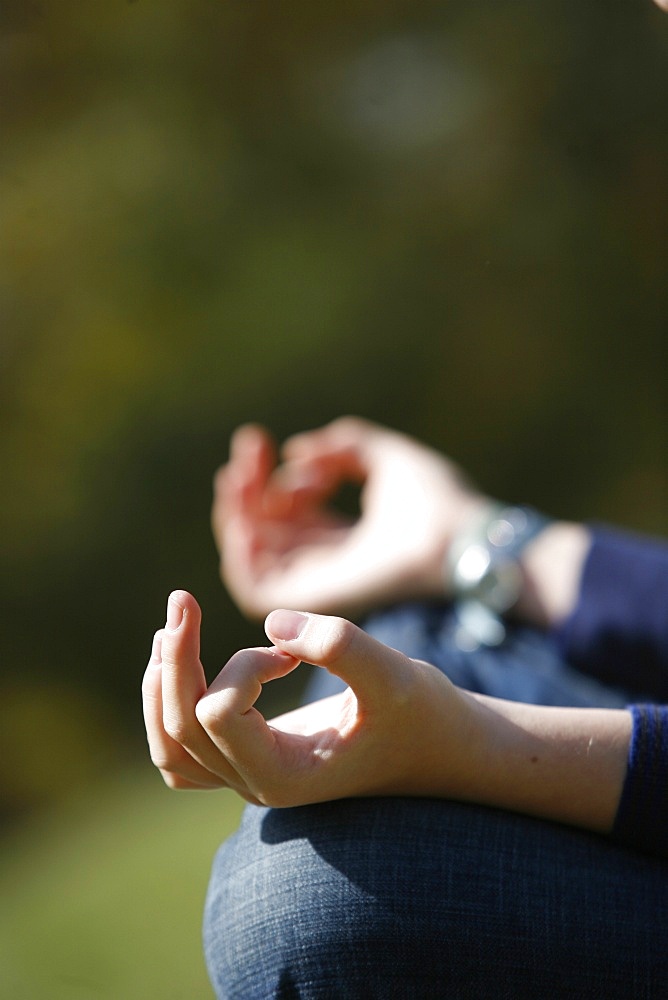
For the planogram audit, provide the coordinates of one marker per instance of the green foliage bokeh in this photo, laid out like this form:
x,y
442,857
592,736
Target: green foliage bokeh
x,y
451,217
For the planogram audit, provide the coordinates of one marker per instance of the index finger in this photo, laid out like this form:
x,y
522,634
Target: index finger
x,y
371,669
227,712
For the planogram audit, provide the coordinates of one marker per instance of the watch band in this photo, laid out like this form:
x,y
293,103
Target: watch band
x,y
484,573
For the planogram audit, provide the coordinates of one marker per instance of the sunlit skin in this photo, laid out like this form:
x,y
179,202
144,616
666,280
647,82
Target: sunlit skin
x,y
401,727
281,544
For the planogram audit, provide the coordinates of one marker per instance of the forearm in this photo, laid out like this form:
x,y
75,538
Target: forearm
x,y
552,566
561,764
400,728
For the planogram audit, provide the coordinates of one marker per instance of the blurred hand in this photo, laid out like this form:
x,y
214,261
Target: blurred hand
x,y
400,728
282,544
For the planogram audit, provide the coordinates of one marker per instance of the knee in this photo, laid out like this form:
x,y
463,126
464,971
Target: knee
x,y
387,897
279,917
335,899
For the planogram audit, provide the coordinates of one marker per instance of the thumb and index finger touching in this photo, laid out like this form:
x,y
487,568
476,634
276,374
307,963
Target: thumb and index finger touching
x,y
342,449
365,664
333,643
254,488
219,727
254,483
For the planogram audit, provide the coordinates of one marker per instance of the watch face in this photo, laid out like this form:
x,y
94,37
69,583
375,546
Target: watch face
x,y
483,562
500,586
472,567
493,582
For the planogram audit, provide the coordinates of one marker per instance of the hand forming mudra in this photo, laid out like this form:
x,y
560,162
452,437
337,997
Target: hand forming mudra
x,y
400,728
383,735
283,545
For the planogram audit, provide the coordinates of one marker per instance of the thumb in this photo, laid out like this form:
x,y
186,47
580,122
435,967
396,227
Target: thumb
x,y
366,665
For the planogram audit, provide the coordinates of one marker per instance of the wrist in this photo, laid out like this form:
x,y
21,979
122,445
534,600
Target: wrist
x,y
552,566
450,757
562,764
470,510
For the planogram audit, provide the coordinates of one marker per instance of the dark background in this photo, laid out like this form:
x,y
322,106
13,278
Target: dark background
x,y
451,217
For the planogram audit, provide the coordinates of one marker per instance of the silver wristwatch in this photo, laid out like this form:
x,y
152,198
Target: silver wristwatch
x,y
484,573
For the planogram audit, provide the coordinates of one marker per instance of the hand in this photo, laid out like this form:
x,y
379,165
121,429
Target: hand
x,y
378,737
400,728
282,545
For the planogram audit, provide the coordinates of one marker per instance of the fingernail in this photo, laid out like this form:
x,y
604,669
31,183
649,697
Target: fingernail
x,y
174,614
286,625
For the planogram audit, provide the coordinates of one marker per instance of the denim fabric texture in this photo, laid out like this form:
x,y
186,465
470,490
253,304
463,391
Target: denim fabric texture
x,y
421,898
396,898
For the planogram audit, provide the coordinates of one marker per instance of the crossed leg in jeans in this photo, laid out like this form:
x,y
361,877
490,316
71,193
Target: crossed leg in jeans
x,y
411,897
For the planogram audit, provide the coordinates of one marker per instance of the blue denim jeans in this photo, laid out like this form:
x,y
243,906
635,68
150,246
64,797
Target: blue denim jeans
x,y
421,898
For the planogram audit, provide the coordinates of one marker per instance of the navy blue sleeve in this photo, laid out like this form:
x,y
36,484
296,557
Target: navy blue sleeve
x,y
619,632
642,816
619,629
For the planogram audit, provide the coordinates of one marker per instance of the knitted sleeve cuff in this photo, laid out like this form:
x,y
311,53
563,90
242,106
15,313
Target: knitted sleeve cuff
x,y
642,816
618,630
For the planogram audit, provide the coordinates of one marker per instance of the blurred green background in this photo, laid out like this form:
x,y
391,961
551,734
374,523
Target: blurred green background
x,y
451,217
